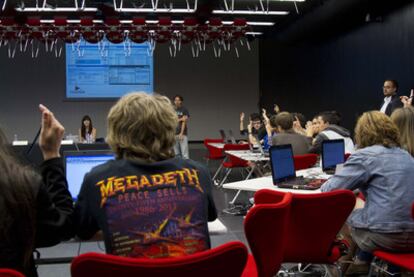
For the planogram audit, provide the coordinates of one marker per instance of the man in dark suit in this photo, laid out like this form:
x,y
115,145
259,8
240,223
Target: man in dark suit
x,y
392,100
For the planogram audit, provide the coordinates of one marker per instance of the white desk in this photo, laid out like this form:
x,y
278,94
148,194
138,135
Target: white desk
x,y
267,182
216,145
248,155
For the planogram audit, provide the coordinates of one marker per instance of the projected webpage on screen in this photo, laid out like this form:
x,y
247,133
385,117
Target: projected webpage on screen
x,y
107,73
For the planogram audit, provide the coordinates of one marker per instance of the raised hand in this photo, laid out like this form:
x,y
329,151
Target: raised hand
x,y
241,116
51,134
407,101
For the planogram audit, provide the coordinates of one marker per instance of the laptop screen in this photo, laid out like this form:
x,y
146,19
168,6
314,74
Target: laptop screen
x,y
333,153
232,138
77,164
281,161
223,135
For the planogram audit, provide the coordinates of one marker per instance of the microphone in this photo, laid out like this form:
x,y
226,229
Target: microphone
x,y
29,150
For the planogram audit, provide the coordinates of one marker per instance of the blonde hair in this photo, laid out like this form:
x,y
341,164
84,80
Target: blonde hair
x,y
142,126
376,128
404,119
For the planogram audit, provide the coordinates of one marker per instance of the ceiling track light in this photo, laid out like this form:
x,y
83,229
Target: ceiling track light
x,y
247,12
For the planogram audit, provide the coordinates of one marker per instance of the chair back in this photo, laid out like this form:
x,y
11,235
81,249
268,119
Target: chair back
x,y
304,161
412,210
347,155
7,272
233,161
226,260
314,222
214,152
265,227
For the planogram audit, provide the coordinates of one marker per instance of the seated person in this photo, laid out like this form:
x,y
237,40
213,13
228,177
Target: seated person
x,y
286,135
255,127
271,131
383,172
312,128
87,133
36,209
147,202
299,123
329,129
404,119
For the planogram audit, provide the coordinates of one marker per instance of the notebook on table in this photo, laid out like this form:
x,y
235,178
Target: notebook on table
x,y
78,163
333,154
283,170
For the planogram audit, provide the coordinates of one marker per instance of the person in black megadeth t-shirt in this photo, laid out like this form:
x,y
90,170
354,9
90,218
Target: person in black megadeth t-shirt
x,y
146,202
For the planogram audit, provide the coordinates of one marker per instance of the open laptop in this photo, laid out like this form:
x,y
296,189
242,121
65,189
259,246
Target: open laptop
x,y
223,135
258,148
283,170
232,138
78,163
333,153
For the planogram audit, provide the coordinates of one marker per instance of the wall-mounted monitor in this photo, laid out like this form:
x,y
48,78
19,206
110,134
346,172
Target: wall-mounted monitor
x,y
107,71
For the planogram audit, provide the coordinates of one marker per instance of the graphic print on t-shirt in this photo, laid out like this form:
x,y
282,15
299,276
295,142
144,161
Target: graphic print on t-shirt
x,y
155,216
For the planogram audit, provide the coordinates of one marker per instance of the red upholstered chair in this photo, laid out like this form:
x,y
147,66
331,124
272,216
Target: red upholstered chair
x,y
232,161
265,227
6,272
314,222
403,260
226,260
214,153
304,161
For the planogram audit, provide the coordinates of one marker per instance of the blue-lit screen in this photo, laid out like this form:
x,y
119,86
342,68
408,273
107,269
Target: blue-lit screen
x,y
333,153
107,73
282,163
78,166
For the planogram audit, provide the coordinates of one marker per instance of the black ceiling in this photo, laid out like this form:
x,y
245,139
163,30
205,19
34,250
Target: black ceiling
x,y
307,19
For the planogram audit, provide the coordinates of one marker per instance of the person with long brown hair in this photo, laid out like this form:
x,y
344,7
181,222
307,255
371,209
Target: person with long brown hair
x,y
404,119
383,172
35,209
87,133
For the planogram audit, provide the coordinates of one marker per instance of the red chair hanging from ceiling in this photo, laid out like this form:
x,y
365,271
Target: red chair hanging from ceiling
x,y
89,31
36,30
214,29
163,33
138,32
189,29
64,31
202,33
114,32
10,28
239,28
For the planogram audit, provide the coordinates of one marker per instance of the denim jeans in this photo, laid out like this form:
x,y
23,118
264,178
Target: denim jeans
x,y
181,147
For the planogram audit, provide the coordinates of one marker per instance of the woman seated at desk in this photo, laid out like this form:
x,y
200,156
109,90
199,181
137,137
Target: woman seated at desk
x,y
87,134
383,172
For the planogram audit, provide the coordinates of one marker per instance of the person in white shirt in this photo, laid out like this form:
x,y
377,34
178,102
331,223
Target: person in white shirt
x,y
392,100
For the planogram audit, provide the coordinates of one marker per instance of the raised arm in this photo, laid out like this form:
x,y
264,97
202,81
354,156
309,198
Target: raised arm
x,y
54,202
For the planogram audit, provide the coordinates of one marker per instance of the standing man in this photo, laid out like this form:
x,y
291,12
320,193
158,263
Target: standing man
x,y
181,139
391,100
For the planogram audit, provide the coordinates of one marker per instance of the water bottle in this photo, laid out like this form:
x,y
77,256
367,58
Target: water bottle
x,y
15,137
